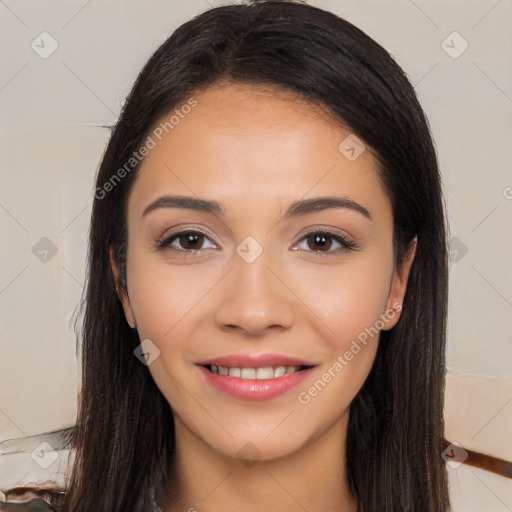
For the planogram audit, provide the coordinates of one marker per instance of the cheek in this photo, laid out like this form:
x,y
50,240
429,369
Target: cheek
x,y
350,305
347,299
161,294
166,303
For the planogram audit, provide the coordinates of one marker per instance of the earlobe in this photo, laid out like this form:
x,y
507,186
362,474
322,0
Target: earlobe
x,y
123,297
398,287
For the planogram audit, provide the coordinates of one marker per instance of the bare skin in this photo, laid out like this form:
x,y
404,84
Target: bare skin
x,y
256,151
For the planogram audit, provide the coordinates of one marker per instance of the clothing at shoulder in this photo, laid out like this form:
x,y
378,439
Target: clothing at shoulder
x,y
38,500
32,499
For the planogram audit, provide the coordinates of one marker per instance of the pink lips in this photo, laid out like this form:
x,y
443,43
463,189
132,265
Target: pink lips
x,y
254,389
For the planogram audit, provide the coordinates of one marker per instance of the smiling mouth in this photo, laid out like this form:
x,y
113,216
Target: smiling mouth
x,y
260,373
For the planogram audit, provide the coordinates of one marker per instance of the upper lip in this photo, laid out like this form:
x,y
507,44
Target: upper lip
x,y
253,360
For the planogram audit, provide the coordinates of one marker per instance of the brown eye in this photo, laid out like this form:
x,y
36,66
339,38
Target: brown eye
x,y
319,241
191,241
185,241
324,242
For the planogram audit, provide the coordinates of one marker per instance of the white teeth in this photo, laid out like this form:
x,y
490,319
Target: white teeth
x,y
262,373
279,371
234,372
266,372
248,373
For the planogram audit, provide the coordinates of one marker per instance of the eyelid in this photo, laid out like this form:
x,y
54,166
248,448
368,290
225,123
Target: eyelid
x,y
179,229
328,230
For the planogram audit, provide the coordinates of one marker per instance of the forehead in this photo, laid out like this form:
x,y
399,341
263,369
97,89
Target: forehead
x,y
256,143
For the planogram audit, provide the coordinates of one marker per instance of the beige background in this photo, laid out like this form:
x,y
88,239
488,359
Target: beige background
x,y
54,112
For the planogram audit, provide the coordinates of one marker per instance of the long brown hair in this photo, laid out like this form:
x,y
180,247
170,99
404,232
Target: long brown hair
x,y
124,436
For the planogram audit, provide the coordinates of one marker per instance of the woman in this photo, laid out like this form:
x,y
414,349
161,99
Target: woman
x,y
264,323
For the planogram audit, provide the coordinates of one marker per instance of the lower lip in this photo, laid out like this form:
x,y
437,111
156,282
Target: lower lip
x,y
255,389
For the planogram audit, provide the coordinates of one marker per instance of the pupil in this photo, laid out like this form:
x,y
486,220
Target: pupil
x,y
320,239
190,239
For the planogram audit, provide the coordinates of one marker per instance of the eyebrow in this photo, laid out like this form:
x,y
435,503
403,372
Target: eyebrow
x,y
297,208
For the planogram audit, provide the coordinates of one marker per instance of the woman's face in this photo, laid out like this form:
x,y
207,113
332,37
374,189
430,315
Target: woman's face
x,y
268,280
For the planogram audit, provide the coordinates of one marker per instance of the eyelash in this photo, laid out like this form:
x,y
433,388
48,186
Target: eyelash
x,y
165,242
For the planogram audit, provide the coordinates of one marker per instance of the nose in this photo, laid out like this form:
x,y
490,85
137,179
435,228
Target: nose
x,y
255,299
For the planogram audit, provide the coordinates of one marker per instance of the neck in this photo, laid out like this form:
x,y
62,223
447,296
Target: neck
x,y
311,478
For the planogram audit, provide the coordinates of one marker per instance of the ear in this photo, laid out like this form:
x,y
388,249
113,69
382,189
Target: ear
x,y
398,287
123,297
